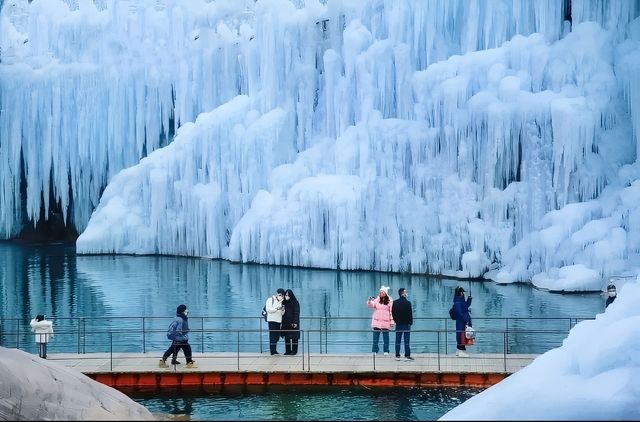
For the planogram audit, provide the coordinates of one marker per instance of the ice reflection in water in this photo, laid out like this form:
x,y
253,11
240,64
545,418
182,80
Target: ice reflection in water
x,y
310,403
55,281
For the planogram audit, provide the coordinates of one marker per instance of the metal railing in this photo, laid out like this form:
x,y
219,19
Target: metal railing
x,y
322,335
242,344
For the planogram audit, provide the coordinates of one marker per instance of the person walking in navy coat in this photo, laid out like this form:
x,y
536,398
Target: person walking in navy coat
x,y
463,318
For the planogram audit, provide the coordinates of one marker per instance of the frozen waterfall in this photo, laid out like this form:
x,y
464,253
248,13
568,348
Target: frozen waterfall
x,y
456,137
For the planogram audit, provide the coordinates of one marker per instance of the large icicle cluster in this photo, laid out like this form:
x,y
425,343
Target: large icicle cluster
x,y
461,137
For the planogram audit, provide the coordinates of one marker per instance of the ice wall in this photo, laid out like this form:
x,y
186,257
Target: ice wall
x,y
111,80
435,136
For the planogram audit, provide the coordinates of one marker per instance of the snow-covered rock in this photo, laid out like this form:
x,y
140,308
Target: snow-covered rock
x,y
34,389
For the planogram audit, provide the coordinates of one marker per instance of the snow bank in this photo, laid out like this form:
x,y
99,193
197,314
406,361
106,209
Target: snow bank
x,y
594,375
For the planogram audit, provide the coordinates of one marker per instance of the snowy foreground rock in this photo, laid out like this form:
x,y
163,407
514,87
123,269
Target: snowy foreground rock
x,y
36,389
594,375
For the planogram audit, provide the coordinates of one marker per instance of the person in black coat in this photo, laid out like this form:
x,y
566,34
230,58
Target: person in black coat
x,y
291,323
403,316
611,294
463,318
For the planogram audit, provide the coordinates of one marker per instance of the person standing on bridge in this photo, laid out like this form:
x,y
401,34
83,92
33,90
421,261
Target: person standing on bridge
x,y
44,333
275,311
291,323
178,333
382,320
611,294
402,314
463,318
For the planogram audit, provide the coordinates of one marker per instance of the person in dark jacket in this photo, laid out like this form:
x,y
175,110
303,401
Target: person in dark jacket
x,y
403,316
611,294
463,318
179,333
291,321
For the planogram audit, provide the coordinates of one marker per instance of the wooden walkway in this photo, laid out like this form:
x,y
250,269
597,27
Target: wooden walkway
x,y
141,371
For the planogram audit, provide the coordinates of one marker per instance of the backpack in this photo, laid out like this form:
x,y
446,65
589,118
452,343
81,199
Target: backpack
x,y
171,331
452,313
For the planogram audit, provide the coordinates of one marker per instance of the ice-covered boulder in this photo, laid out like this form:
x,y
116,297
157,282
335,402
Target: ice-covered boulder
x,y
33,389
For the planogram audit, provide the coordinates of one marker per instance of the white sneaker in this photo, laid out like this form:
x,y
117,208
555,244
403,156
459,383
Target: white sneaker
x,y
397,358
462,354
386,353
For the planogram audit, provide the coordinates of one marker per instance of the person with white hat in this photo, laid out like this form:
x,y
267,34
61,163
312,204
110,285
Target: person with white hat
x,y
382,320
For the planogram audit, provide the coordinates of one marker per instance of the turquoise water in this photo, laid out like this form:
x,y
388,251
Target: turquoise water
x,y
310,403
98,302
88,297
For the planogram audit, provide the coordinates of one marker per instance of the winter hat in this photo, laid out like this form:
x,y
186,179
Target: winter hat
x,y
385,289
181,309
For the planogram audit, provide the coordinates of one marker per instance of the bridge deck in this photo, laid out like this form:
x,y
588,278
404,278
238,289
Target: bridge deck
x,y
138,370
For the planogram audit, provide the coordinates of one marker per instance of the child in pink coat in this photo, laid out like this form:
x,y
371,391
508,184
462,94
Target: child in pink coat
x,y
381,321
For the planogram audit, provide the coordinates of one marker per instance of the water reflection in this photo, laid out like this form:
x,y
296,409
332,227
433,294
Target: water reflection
x,y
55,281
315,403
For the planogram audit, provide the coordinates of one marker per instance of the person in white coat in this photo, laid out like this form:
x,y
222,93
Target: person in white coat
x,y
275,310
44,333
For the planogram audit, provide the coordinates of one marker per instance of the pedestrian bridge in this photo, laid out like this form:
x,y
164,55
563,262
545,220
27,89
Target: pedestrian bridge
x,y
140,371
124,351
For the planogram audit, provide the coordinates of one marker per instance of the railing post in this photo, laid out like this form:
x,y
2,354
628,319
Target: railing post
x,y
506,330
84,335
439,346
111,351
238,350
202,334
320,333
326,335
18,337
144,344
446,330
260,327
308,354
302,341
504,350
374,361
78,321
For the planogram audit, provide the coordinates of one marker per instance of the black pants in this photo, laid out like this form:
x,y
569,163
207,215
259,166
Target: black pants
x,y
175,348
291,343
460,340
42,350
274,336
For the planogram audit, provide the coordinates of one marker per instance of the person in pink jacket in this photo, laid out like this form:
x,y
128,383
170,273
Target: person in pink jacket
x,y
381,321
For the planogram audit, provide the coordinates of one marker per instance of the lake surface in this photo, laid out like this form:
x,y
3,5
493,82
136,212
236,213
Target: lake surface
x,y
104,302
124,303
310,403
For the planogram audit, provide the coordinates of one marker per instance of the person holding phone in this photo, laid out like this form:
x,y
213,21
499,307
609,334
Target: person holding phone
x,y
463,318
275,311
381,320
43,330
